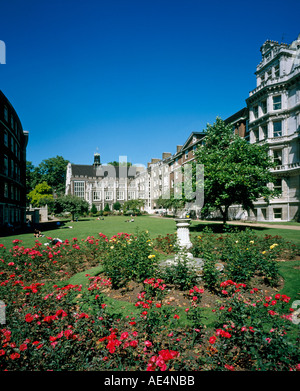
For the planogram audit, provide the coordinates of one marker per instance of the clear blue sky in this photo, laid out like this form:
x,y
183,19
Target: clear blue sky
x,y
131,77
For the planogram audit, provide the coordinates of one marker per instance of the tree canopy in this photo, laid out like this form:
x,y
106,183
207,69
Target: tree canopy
x,y
235,172
40,195
52,171
71,204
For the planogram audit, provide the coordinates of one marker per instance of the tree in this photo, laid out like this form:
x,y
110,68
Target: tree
x,y
117,206
117,164
134,205
71,204
171,202
32,176
53,171
40,194
235,172
106,208
93,209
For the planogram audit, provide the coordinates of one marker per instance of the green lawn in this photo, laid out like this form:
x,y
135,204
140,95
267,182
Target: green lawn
x,y
113,224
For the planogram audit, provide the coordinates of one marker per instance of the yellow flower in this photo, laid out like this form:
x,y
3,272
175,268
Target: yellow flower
x,y
273,245
263,252
151,256
111,247
251,241
199,237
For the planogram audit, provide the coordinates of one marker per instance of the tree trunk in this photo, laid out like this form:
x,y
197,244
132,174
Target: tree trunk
x,y
224,213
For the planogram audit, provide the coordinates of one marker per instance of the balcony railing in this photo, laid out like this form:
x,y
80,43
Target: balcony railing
x,y
285,167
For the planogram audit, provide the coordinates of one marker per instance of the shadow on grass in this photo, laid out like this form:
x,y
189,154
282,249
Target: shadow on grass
x,y
220,228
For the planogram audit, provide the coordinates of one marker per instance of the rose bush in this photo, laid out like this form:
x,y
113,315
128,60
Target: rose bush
x,y
52,324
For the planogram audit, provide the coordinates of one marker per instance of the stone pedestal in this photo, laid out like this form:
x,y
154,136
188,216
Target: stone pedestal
x,y
183,238
183,233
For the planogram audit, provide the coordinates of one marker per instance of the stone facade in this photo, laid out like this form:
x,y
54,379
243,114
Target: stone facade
x,y
272,116
101,185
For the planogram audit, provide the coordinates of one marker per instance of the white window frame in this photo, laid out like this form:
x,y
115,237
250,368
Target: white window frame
x,y
96,195
108,195
120,195
277,133
79,189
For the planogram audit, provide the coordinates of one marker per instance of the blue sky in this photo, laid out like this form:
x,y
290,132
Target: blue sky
x,y
131,78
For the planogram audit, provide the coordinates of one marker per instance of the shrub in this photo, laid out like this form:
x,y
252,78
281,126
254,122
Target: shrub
x,y
128,258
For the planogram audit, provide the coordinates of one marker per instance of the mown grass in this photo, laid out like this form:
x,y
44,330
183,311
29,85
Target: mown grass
x,y
111,225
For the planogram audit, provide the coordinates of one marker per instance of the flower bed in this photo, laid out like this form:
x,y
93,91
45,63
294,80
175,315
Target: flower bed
x,y
54,325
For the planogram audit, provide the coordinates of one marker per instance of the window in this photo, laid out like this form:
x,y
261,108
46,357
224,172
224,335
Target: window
x,y
5,138
108,195
278,186
277,155
194,149
263,106
256,135
12,168
131,195
96,195
12,144
277,213
5,190
277,129
12,192
120,195
5,114
186,154
264,130
255,111
269,73
12,122
79,188
277,102
276,70
5,166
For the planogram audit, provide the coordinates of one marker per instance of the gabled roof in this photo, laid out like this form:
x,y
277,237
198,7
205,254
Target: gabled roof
x,y
197,134
102,171
241,114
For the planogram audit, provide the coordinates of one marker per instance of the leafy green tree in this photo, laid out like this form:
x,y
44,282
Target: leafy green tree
x,y
171,202
93,209
53,171
235,172
40,194
134,205
117,205
106,208
71,204
32,176
117,164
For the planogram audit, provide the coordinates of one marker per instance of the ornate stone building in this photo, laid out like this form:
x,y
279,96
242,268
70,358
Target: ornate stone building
x,y
101,185
272,116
